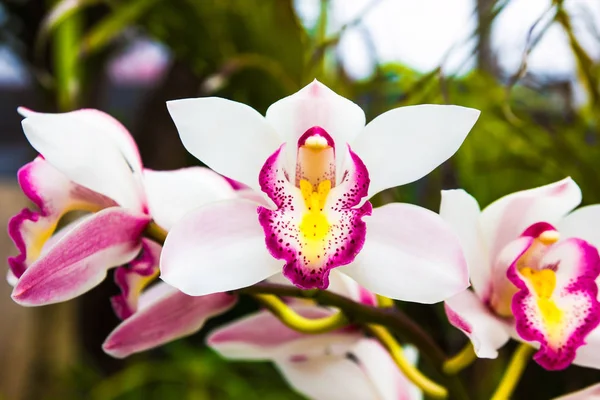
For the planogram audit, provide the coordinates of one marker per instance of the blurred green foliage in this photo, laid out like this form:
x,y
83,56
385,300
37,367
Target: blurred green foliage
x,y
182,372
257,52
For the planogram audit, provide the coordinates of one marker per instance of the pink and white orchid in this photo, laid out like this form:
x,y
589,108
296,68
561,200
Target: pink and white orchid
x,y
317,164
343,364
532,271
89,162
157,315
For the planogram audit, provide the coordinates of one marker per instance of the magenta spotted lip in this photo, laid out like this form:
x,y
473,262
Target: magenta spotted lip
x,y
283,237
581,287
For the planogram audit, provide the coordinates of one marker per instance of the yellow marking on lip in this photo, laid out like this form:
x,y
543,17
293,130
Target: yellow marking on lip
x,y
314,225
544,283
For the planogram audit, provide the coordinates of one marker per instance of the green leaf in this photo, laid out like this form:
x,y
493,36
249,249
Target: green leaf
x,y
111,26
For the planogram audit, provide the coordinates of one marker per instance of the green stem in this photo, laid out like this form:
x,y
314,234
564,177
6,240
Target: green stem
x,y
66,70
156,232
391,318
460,361
411,372
297,322
513,373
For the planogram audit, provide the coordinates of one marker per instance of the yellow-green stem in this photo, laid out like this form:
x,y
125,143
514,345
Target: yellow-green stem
x,y
155,232
411,372
513,373
66,70
297,322
384,302
460,361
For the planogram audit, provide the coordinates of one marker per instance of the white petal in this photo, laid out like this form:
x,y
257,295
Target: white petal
x,y
316,105
508,217
217,248
582,223
405,144
382,371
589,393
229,137
328,378
172,194
410,254
588,355
461,211
487,332
92,149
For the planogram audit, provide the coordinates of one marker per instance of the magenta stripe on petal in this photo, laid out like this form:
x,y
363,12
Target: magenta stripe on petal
x,y
54,195
308,261
133,277
79,261
172,315
537,229
456,320
18,263
577,265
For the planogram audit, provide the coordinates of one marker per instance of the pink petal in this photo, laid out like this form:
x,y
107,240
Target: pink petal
x,y
54,195
410,254
165,315
506,219
134,277
261,336
486,331
79,261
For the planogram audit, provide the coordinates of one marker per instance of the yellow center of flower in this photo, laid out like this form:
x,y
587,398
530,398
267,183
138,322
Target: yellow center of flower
x,y
314,226
543,281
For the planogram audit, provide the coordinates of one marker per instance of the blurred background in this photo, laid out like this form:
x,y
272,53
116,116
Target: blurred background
x,y
531,66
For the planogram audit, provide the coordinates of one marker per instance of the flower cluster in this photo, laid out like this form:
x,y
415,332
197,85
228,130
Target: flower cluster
x,y
285,199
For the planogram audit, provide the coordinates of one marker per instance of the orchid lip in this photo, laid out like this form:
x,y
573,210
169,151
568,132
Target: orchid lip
x,y
556,299
315,227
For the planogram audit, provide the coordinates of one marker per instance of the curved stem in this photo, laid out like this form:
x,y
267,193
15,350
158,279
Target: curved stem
x,y
411,372
392,318
297,322
513,373
460,361
155,232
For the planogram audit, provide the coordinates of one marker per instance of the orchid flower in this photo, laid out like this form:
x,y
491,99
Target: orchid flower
x,y
89,162
157,315
317,165
532,271
342,364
